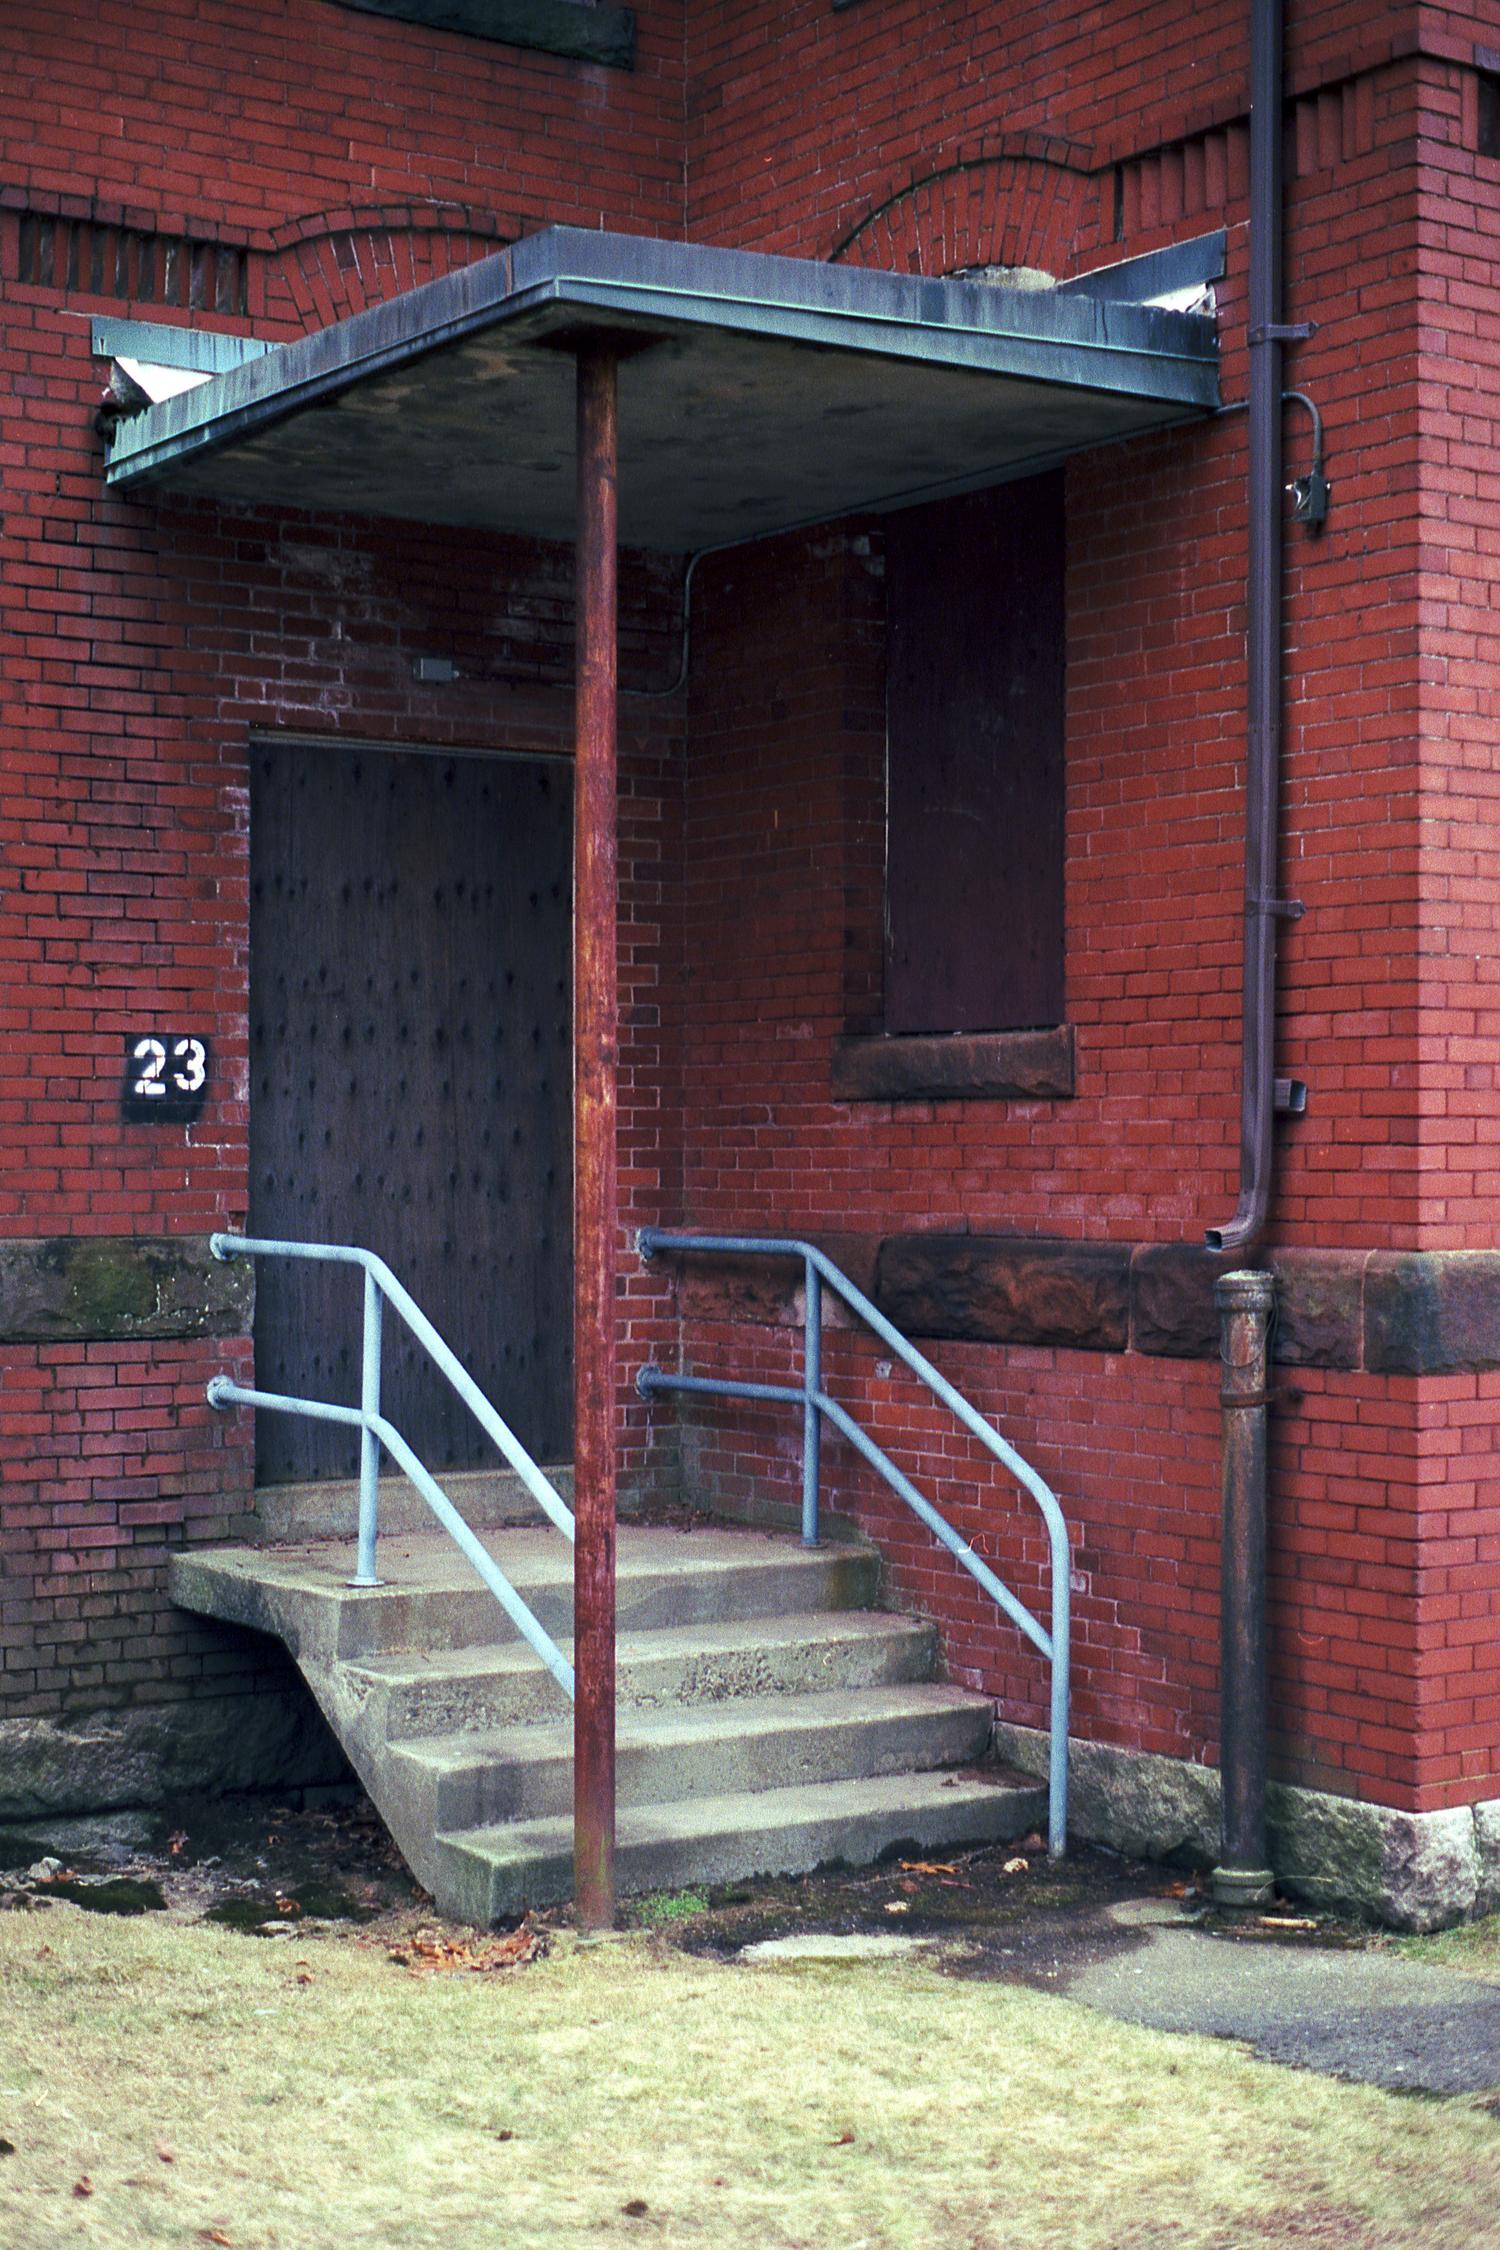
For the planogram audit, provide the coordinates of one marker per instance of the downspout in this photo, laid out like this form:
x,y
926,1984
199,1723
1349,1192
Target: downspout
x,y
1246,1300
1263,637
1247,1303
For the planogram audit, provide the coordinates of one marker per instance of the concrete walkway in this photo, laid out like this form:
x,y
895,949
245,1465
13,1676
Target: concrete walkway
x,y
1368,2016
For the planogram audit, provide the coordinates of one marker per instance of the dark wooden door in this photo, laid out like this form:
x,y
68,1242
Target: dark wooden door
x,y
410,1086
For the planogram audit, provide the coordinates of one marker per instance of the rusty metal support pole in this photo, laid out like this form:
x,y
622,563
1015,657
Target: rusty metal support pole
x,y
595,1203
1245,1303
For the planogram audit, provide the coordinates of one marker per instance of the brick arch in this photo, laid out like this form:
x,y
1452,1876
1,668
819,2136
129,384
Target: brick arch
x,y
323,267
999,210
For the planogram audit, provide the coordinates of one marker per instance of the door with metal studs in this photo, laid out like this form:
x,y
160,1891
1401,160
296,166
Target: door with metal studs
x,y
410,1085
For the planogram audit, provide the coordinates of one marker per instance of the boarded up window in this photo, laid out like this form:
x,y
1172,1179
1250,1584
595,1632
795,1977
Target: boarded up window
x,y
974,724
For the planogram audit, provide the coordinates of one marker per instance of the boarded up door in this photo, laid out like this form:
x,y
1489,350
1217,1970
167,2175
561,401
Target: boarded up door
x,y
410,1086
974,712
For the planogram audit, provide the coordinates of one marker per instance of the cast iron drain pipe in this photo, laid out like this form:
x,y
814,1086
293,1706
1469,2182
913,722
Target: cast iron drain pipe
x,y
1245,1302
1263,636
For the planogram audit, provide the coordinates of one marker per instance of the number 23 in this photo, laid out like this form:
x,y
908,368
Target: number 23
x,y
190,1060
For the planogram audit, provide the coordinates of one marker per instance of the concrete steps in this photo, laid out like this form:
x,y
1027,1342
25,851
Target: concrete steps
x,y
494,1873
771,1717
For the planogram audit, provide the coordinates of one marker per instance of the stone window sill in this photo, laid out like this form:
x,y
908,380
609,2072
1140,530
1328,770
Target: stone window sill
x,y
957,1066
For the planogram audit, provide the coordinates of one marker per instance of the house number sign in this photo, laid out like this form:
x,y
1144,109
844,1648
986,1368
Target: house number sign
x,y
166,1077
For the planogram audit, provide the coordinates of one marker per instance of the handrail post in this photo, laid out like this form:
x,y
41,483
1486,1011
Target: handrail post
x,y
365,1573
816,1405
812,1384
1059,1715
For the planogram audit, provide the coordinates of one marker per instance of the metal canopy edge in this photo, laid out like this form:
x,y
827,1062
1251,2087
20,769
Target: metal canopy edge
x,y
777,391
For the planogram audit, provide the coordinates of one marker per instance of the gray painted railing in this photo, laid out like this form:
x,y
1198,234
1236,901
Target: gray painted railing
x,y
818,1407
382,1288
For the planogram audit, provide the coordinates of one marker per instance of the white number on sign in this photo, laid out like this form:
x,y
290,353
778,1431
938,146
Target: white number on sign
x,y
166,1077
192,1057
149,1085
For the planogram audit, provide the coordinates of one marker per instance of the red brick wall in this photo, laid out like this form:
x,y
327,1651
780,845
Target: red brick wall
x,y
280,168
1384,1586
238,168
112,1457
219,120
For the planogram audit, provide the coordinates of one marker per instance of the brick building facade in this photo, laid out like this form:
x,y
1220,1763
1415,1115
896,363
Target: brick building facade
x,y
265,172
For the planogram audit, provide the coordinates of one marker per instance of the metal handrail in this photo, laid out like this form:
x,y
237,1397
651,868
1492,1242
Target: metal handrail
x,y
817,1407
381,1286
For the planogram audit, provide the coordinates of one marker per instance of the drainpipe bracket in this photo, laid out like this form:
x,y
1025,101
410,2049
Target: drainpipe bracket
x,y
1284,909
1283,332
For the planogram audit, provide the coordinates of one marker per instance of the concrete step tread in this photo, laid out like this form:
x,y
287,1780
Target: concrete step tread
x,y
429,1562
685,1725
287,1513
773,1812
403,1667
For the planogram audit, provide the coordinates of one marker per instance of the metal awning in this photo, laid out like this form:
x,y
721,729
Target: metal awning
x,y
756,393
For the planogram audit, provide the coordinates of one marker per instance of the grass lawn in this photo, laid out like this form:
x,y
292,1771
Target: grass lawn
x,y
311,2094
1473,1948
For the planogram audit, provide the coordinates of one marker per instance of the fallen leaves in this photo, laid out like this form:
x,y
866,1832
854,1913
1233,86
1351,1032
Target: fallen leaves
x,y
83,2185
431,1954
940,1871
165,2153
1016,1866
845,2138
636,2208
215,2234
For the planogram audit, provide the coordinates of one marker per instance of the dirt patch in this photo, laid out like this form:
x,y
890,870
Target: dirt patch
x,y
271,1868
254,1864
1004,1910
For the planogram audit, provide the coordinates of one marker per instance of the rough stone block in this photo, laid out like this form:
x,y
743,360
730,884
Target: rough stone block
x,y
1431,1312
111,1288
1006,1289
1172,1309
149,1754
1413,1871
1487,1857
769,1292
1320,1308
1145,1806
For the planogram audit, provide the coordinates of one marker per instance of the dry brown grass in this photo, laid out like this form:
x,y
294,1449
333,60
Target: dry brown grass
x,y
311,2095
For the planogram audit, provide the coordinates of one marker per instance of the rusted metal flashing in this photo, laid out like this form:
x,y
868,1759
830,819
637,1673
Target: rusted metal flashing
x,y
94,1289
551,27
782,391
